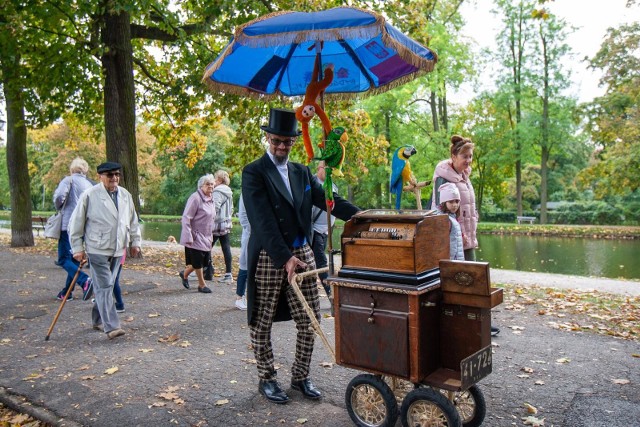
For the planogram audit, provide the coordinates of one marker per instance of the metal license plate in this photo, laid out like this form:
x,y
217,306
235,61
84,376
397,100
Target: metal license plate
x,y
475,367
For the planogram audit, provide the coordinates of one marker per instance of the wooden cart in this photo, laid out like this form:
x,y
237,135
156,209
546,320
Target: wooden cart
x,y
417,322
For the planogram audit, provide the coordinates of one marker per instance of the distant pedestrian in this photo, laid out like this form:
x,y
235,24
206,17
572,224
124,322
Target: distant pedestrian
x,y
102,226
65,199
449,204
197,229
241,283
223,200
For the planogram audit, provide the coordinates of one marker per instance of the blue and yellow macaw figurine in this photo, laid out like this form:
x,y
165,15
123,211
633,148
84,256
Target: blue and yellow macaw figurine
x,y
401,171
332,152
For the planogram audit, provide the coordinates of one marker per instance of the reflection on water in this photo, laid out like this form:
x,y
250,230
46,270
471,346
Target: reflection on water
x,y
563,255
577,256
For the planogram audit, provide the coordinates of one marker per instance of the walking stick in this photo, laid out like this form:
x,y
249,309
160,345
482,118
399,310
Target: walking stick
x,y
64,300
295,284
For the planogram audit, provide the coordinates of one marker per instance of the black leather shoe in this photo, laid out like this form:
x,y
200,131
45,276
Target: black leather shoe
x,y
307,388
272,391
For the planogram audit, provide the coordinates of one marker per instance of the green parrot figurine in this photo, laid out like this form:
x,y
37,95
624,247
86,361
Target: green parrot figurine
x,y
332,152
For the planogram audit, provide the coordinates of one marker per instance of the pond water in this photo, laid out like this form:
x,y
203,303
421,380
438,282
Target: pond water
x,y
577,256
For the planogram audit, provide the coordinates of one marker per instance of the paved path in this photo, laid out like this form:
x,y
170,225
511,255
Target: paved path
x,y
185,359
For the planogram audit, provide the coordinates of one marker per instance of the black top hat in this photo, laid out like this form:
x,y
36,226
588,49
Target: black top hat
x,y
282,123
109,167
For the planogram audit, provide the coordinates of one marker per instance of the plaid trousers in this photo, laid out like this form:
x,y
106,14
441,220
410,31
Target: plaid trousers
x,y
270,282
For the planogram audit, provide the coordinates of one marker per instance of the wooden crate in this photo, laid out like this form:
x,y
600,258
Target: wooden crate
x,y
468,283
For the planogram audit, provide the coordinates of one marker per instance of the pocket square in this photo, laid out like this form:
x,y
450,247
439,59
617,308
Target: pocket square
x,y
307,188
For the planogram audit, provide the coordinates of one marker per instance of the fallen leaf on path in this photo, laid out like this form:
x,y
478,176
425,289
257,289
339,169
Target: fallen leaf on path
x,y
531,409
87,377
84,368
157,405
184,344
170,338
527,370
219,352
111,370
620,381
301,420
221,402
154,314
32,377
563,360
539,382
326,364
145,350
533,421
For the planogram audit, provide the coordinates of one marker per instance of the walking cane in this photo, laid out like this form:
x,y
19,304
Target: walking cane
x,y
64,300
295,284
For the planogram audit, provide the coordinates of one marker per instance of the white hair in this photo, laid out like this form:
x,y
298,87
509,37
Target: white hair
x,y
205,179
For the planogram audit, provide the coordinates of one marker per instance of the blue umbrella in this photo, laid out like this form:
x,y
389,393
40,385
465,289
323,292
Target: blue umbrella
x,y
274,54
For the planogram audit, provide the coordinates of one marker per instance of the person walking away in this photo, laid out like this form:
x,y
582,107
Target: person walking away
x,y
223,201
320,234
449,204
457,170
65,199
103,225
278,196
197,229
241,283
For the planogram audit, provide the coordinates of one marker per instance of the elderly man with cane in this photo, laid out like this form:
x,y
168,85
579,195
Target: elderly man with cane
x,y
102,226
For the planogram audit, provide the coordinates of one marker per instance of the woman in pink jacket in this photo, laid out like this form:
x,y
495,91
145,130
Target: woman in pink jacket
x,y
457,170
197,228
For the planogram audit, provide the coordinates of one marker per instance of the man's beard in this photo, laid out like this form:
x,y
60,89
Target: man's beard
x,y
281,160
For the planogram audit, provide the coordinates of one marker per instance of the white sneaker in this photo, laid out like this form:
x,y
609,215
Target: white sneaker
x,y
228,278
240,304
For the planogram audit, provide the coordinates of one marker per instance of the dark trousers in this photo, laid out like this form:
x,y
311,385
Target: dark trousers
x,y
319,246
225,244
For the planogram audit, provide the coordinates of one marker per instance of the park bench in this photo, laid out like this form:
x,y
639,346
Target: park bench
x,y
38,223
529,219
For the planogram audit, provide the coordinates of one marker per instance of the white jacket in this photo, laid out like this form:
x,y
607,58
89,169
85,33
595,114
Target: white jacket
x,y
97,227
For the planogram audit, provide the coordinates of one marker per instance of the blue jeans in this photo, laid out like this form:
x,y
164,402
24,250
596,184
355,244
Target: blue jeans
x,y
241,282
68,263
117,293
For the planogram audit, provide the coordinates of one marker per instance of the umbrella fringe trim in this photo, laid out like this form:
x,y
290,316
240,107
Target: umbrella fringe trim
x,y
243,91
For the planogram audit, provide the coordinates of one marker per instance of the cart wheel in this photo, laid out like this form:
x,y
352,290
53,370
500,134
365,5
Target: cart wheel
x,y
370,402
426,407
470,405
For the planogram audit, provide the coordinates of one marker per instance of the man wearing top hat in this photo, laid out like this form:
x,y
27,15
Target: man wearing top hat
x,y
278,197
102,226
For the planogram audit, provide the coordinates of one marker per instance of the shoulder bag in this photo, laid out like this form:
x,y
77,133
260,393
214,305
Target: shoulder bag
x,y
53,227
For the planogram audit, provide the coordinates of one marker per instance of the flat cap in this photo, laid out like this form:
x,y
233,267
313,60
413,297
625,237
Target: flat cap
x,y
109,166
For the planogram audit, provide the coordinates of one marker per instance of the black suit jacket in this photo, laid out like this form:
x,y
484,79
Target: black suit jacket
x,y
276,218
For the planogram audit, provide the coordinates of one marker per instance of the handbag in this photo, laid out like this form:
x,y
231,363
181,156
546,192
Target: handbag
x,y
53,227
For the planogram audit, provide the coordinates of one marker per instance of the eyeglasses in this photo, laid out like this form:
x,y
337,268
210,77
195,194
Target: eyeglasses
x,y
277,141
112,174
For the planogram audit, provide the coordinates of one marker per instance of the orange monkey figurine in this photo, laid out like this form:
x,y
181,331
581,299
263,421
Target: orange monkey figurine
x,y
310,107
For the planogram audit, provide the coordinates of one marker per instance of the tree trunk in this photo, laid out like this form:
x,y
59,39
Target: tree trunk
x,y
545,144
17,162
119,100
434,112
